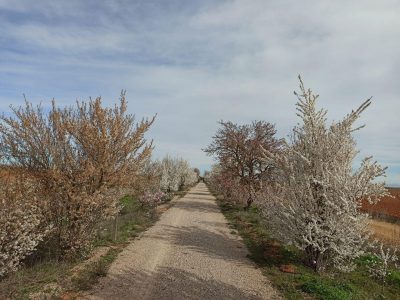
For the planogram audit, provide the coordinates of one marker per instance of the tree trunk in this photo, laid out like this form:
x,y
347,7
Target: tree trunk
x,y
315,259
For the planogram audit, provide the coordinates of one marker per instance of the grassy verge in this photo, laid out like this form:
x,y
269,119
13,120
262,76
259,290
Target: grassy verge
x,y
302,282
85,279
133,219
49,279
42,276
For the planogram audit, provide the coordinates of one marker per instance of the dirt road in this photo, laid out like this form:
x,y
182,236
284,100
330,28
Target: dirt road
x,y
189,253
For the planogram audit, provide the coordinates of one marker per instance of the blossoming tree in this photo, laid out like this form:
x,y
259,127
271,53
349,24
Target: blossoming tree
x,y
240,150
175,173
79,156
316,205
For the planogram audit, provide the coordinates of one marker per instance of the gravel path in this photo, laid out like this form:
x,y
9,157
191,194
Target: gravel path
x,y
188,254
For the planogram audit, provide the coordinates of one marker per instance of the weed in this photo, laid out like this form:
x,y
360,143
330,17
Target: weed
x,y
26,281
327,290
90,275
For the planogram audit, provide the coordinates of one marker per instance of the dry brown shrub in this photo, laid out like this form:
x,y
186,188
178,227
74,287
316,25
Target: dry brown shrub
x,y
81,156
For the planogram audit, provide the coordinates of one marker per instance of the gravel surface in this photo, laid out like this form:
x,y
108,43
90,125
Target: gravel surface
x,y
190,253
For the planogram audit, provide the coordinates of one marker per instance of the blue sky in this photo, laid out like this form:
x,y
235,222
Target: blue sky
x,y
197,62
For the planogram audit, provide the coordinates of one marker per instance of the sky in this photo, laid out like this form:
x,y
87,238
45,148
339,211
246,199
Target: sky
x,y
200,61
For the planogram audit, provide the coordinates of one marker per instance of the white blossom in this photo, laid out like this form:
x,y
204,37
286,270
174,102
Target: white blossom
x,y
22,225
175,173
315,204
384,257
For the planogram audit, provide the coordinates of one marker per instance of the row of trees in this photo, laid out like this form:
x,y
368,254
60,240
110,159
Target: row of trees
x,y
306,187
175,174
164,177
64,171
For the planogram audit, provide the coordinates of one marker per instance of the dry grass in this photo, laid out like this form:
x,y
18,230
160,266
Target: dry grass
x,y
387,232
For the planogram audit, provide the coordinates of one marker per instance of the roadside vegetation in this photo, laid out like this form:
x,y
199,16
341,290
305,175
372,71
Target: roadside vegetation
x,y
298,203
285,268
76,185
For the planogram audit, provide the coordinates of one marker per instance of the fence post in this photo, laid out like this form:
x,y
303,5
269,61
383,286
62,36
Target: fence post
x,y
115,228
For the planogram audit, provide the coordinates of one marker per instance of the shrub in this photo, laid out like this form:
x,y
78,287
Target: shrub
x,y
229,186
152,199
22,225
81,156
385,258
316,205
175,173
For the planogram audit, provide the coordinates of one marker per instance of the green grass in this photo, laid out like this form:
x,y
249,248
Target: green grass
x,y
394,278
85,279
33,279
270,255
327,289
133,219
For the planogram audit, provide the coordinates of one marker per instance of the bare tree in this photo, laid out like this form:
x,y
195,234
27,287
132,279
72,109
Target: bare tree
x,y
316,205
80,156
240,150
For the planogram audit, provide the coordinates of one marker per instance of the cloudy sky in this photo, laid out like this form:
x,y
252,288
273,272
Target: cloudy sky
x,y
199,61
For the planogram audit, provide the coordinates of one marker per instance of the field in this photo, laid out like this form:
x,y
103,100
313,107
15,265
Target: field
x,y
385,231
386,218
388,207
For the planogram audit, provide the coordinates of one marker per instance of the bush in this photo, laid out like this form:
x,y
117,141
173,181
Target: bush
x,y
22,225
152,199
380,266
227,185
81,156
316,204
175,173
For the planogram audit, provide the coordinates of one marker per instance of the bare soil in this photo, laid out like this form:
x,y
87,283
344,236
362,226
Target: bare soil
x,y
190,253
